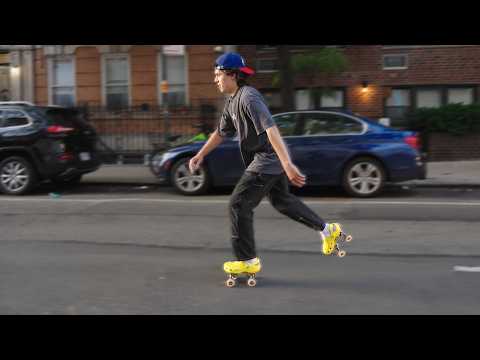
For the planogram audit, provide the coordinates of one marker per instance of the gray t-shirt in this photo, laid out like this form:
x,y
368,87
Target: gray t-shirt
x,y
247,115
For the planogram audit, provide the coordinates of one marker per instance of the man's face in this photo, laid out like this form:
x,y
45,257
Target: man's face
x,y
226,84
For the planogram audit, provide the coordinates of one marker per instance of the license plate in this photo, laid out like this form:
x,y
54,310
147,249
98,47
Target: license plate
x,y
85,156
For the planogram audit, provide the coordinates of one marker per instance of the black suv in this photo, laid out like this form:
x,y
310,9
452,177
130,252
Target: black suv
x,y
43,143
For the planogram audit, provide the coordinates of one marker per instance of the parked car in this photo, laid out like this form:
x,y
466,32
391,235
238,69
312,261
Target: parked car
x,y
330,147
43,143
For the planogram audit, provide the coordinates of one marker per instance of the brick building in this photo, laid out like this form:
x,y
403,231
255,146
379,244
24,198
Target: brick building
x,y
381,81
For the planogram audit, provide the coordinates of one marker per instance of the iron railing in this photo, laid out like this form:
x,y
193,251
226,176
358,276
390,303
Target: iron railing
x,y
136,132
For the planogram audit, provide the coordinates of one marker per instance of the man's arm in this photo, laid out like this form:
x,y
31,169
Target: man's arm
x,y
294,175
214,140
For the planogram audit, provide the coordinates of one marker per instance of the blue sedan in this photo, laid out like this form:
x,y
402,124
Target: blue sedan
x,y
330,148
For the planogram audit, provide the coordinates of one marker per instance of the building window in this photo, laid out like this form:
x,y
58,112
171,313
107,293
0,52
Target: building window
x,y
62,82
307,99
175,74
273,100
397,106
460,96
429,98
116,81
267,65
332,100
395,62
266,47
303,100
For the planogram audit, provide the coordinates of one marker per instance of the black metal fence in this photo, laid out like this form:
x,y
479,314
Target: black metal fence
x,y
131,135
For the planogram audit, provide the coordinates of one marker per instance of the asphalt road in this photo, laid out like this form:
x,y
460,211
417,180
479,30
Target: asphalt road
x,y
126,250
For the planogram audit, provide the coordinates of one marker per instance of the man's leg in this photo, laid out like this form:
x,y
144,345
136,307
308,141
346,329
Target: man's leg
x,y
291,206
248,194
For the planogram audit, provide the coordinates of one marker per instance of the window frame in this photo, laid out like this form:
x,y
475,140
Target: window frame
x,y
260,71
105,58
8,128
160,77
316,99
51,61
302,113
384,56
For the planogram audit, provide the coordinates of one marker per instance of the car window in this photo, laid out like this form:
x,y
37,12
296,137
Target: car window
x,y
287,124
14,118
330,124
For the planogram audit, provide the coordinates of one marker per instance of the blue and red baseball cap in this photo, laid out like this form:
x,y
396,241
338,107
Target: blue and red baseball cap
x,y
233,61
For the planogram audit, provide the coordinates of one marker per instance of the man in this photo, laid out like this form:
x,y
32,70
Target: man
x,y
267,162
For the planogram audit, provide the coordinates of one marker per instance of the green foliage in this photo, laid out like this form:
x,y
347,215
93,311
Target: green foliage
x,y
455,119
328,61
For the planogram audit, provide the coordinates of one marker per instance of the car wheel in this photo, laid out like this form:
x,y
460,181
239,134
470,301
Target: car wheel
x,y
187,183
17,176
364,177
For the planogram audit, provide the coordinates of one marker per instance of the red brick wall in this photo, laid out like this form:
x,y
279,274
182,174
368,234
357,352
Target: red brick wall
x,y
426,66
41,90
144,76
446,147
88,76
201,59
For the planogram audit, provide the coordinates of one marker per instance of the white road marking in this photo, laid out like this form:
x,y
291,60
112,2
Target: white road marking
x,y
226,201
466,268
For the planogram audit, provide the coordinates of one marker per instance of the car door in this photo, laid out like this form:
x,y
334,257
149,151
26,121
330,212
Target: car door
x,y
327,140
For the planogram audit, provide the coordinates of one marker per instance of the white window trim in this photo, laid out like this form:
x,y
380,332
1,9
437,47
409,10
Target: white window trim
x,y
395,67
51,60
259,71
160,78
104,76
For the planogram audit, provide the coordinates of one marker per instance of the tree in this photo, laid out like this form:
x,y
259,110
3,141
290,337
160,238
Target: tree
x,y
286,90
325,63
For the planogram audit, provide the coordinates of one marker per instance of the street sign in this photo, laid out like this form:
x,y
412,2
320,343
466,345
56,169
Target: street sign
x,y
173,50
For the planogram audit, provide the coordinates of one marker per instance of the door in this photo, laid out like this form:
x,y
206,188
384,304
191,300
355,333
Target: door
x,y
326,142
5,83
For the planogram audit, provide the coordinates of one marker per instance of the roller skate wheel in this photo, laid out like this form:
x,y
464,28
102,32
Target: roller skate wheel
x,y
349,238
252,282
230,283
341,253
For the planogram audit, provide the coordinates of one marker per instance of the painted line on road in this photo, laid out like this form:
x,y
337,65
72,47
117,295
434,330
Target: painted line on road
x,y
226,201
466,268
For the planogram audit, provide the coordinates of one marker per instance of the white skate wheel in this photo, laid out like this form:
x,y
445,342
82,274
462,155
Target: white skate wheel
x,y
349,238
341,253
230,283
252,282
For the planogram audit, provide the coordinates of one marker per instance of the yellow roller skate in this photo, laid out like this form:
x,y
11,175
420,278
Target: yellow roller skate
x,y
331,239
236,268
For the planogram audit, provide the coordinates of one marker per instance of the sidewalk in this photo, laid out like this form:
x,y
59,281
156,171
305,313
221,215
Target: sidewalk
x,y
439,174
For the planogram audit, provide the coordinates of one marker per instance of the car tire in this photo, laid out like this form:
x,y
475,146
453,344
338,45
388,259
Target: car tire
x,y
17,176
364,177
187,184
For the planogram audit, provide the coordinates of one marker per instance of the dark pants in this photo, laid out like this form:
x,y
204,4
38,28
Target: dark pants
x,y
248,194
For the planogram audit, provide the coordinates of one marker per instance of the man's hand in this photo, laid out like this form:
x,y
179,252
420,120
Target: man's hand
x,y
195,163
295,176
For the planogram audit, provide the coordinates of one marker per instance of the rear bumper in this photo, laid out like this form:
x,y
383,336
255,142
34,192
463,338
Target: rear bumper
x,y
417,171
69,169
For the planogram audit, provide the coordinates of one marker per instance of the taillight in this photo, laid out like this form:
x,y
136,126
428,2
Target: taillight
x,y
413,141
56,129
66,157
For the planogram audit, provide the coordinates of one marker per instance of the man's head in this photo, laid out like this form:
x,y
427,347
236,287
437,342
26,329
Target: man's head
x,y
231,72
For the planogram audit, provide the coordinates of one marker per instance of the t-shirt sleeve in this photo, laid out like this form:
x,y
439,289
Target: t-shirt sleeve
x,y
259,113
225,125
